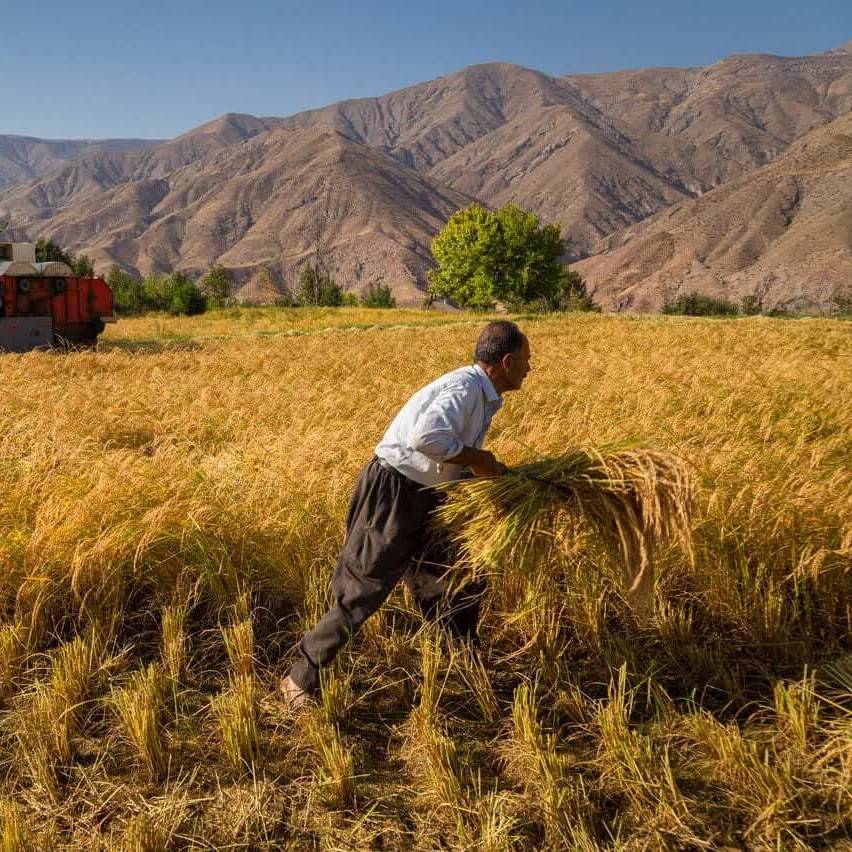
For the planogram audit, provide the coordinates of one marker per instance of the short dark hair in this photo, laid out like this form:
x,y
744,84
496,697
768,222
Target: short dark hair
x,y
498,339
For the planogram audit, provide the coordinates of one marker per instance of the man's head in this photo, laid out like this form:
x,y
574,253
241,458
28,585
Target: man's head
x,y
503,351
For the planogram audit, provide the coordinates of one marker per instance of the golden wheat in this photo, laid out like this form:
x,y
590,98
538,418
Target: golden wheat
x,y
184,490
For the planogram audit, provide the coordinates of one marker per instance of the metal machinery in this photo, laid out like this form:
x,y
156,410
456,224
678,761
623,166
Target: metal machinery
x,y
44,304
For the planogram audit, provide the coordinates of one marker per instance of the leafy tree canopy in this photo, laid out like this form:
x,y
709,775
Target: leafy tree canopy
x,y
485,256
217,285
378,296
318,289
175,293
127,292
48,251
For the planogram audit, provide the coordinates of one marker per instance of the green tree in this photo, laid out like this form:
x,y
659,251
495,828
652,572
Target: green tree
x,y
82,266
318,289
469,253
484,256
184,296
216,286
47,250
175,293
127,292
378,296
156,292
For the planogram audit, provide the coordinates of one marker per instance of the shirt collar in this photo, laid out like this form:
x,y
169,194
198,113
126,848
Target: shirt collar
x,y
487,386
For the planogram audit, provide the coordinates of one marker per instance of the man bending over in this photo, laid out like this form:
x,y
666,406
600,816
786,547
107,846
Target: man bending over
x,y
436,437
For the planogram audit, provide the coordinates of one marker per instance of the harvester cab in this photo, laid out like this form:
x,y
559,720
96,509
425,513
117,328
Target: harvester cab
x,y
45,304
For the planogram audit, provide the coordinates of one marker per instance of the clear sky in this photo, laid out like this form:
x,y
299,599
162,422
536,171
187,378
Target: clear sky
x,y
85,69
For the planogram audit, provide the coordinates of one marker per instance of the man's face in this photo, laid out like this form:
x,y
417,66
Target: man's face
x,y
516,366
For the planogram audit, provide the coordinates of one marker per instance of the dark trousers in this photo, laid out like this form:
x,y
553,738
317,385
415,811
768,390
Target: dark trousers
x,y
388,537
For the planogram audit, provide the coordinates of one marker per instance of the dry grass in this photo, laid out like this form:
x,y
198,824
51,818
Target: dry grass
x,y
172,505
140,708
626,501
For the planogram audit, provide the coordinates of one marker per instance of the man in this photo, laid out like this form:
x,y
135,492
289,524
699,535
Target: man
x,y
436,437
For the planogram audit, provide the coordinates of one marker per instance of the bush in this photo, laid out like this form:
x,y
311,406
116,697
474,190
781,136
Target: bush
x,y
155,292
216,286
318,289
570,297
840,304
700,305
174,293
82,266
127,293
185,297
751,306
378,296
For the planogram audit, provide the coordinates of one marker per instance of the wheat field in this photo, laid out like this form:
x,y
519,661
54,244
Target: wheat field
x,y
171,506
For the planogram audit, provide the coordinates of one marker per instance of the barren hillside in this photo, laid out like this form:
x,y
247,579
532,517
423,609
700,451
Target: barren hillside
x,y
782,233
255,204
23,158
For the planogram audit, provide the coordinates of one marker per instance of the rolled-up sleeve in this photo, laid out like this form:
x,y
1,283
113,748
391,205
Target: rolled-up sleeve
x,y
436,431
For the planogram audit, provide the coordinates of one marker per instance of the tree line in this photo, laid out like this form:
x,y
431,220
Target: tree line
x,y
177,293
482,258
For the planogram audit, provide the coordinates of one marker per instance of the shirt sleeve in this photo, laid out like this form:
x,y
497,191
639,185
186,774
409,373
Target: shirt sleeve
x,y
437,431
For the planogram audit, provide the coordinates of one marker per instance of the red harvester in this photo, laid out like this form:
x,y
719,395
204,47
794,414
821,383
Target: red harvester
x,y
42,304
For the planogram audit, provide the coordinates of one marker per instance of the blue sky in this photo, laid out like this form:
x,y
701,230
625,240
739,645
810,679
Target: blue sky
x,y
85,69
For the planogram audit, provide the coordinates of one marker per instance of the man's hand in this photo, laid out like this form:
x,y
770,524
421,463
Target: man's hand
x,y
481,462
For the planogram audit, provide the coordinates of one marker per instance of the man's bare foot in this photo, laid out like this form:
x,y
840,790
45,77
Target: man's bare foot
x,y
295,698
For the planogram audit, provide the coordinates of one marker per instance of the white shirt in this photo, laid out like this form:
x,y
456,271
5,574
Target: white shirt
x,y
441,419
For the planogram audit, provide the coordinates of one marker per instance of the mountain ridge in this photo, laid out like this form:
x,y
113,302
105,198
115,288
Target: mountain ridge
x,y
598,153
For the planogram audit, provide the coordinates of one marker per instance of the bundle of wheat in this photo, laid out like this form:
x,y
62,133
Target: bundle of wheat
x,y
629,499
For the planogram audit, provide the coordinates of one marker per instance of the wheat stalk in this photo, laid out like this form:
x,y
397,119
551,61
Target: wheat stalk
x,y
630,500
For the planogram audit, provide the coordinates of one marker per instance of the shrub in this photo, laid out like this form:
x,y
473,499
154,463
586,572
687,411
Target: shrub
x,y
751,306
700,305
216,286
174,293
841,303
156,293
82,266
127,291
378,296
571,296
185,297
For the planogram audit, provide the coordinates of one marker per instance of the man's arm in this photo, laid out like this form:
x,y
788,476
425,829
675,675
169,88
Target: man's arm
x,y
481,462
436,434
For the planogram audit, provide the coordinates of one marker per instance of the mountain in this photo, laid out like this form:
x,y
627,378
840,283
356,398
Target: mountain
x,y
23,158
600,154
782,233
255,204
729,117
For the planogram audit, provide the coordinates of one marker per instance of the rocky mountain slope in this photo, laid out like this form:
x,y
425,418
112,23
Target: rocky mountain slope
x,y
596,153
258,203
782,233
24,158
